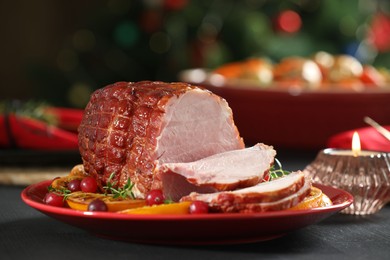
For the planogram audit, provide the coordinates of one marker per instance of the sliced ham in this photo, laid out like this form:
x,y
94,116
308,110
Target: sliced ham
x,y
285,203
220,172
130,128
278,194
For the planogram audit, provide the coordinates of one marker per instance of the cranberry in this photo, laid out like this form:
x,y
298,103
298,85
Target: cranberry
x,y
54,199
154,197
74,185
88,184
199,207
97,205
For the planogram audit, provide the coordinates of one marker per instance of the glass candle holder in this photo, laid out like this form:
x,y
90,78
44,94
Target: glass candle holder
x,y
366,176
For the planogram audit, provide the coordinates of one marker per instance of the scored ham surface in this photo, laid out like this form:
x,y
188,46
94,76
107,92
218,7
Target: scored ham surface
x,y
278,194
130,128
220,172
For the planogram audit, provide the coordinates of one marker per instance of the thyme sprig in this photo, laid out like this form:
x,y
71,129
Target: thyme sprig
x,y
62,192
277,172
124,192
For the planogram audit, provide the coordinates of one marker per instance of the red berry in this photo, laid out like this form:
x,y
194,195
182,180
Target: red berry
x,y
266,177
97,205
88,184
74,185
154,197
54,199
199,207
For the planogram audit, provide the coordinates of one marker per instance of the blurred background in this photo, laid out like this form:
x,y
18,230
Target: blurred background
x,y
60,51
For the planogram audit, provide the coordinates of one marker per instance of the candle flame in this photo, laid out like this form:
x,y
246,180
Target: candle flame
x,y
356,148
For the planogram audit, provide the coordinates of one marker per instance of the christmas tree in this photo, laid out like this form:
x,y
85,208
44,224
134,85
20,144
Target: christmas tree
x,y
155,39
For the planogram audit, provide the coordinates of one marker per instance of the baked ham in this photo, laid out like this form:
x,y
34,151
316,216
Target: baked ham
x,y
220,172
130,128
279,194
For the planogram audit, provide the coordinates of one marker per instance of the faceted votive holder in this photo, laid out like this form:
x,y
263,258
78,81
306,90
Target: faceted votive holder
x,y
366,176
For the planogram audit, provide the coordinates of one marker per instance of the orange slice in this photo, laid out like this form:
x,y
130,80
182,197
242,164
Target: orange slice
x,y
78,170
80,201
325,201
179,208
77,173
62,183
315,199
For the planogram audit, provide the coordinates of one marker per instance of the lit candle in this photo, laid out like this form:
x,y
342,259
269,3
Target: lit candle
x,y
355,151
364,174
356,148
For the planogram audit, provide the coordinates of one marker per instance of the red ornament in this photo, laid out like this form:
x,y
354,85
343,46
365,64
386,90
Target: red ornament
x,y
288,21
379,35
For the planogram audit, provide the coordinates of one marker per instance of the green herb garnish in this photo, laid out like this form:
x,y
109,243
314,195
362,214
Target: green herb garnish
x,y
168,201
62,192
277,172
124,192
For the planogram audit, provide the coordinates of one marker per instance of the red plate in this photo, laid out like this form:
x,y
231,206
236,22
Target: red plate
x,y
189,229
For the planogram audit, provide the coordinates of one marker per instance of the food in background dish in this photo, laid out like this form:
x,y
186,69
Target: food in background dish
x,y
321,71
296,71
258,71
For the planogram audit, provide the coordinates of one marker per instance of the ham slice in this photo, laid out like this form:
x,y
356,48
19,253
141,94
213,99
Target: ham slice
x,y
221,172
285,203
130,128
278,194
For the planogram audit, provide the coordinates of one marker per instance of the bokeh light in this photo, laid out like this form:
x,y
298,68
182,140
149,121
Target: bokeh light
x,y
79,94
289,21
112,40
126,34
348,25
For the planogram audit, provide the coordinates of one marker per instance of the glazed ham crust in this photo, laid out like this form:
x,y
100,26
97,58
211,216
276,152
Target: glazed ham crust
x,y
129,128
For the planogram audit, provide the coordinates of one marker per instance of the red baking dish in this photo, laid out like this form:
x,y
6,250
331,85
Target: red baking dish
x,y
302,119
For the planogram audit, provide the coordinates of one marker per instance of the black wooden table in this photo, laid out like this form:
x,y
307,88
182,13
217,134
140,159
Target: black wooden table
x,y
28,234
